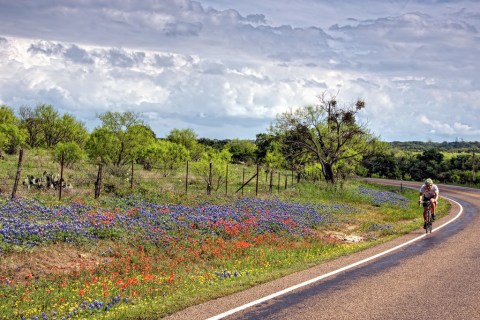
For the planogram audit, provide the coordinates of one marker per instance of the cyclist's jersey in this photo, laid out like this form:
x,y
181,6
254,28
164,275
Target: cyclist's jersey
x,y
429,193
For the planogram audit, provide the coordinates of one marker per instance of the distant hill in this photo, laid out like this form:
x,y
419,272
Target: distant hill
x,y
456,146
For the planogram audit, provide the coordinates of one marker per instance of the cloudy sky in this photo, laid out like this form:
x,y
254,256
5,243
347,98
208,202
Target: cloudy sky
x,y
226,68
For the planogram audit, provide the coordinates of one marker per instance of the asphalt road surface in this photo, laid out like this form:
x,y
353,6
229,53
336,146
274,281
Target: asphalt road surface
x,y
433,276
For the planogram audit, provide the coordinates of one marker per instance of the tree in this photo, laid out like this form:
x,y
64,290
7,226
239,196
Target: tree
x,y
326,132
70,130
263,141
70,151
243,151
31,123
274,159
11,136
102,146
382,162
48,118
186,137
126,131
166,155
46,127
219,161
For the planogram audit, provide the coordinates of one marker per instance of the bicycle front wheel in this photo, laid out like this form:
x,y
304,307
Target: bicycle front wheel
x,y
429,221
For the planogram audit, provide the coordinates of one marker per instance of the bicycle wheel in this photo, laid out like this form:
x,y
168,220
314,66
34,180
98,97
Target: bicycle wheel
x,y
429,221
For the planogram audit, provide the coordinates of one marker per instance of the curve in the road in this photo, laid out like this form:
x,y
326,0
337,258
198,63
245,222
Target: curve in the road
x,y
326,275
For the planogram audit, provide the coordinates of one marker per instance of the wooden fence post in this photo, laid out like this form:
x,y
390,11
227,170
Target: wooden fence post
x,y
17,176
98,183
226,181
278,184
209,184
243,179
270,185
186,180
256,182
62,162
131,178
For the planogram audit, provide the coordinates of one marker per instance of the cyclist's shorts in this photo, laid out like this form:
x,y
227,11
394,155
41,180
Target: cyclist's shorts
x,y
425,198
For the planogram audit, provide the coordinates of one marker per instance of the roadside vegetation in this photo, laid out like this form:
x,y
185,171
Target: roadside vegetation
x,y
132,258
146,226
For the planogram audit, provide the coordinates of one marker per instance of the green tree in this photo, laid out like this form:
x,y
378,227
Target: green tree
x,y
165,155
382,162
274,159
102,146
71,152
31,123
127,132
49,124
70,130
263,141
243,151
11,135
327,133
218,161
428,164
186,137
45,127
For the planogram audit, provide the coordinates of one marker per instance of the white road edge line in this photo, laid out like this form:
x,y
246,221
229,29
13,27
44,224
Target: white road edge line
x,y
313,280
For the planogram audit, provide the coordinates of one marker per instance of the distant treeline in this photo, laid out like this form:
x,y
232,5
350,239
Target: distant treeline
x,y
446,162
456,146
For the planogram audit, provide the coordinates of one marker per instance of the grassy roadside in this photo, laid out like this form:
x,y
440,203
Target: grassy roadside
x,y
141,259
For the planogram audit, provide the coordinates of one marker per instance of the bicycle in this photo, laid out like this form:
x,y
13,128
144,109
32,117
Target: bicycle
x,y
429,219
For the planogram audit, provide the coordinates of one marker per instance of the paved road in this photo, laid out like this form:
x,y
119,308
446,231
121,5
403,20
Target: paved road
x,y
393,286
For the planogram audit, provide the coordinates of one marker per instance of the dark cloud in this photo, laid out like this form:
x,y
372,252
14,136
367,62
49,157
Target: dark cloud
x,y
182,29
256,18
47,48
122,59
78,55
164,61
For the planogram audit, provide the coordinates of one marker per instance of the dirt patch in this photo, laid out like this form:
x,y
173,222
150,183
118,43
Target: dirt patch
x,y
41,262
346,238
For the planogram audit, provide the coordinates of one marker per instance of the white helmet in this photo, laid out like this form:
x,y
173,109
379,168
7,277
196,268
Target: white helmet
x,y
428,182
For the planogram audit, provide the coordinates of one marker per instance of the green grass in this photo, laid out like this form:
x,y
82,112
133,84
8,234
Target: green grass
x,y
192,267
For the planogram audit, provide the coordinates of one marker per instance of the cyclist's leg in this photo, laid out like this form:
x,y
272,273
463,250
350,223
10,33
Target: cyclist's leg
x,y
425,207
433,206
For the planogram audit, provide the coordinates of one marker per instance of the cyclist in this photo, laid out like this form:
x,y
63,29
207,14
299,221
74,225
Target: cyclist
x,y
428,192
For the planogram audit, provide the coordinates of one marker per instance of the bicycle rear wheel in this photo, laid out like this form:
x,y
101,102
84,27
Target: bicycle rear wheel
x,y
429,221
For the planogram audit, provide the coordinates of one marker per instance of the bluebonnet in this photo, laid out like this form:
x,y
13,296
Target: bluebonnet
x,y
384,197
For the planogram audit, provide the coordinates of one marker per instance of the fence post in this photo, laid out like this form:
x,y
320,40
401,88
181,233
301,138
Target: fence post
x,y
226,181
186,180
62,162
243,180
98,183
278,184
270,186
209,184
17,177
256,182
131,178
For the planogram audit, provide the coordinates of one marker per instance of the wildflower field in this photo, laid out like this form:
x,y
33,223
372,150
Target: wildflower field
x,y
133,258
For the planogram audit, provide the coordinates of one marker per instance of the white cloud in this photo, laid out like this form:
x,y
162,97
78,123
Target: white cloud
x,y
456,128
227,68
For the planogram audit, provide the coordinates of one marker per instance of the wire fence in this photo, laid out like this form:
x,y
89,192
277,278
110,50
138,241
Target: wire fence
x,y
37,174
